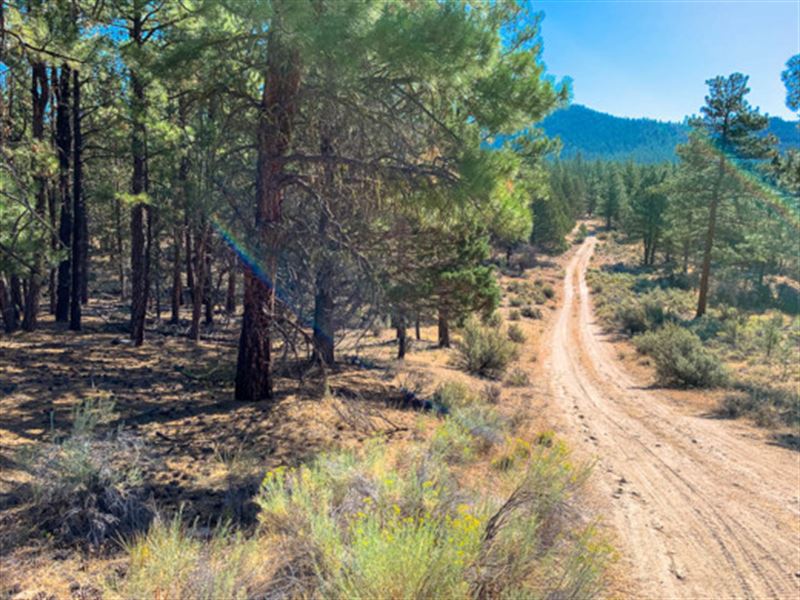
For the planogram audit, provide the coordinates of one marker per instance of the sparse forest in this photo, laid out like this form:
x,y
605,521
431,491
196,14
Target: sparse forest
x,y
287,295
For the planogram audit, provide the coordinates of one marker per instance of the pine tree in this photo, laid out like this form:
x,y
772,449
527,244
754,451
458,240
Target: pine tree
x,y
731,128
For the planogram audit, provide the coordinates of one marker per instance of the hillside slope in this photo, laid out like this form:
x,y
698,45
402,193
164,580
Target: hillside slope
x,y
597,135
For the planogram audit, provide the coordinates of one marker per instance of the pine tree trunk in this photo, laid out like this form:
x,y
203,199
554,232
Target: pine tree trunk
x,y
64,149
702,298
84,242
154,251
444,329
200,284
417,333
16,293
8,309
39,96
208,290
120,245
402,337
176,292
323,317
323,337
189,257
275,127
52,212
140,283
230,295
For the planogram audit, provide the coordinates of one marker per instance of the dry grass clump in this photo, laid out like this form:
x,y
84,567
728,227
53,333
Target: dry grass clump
x,y
86,488
518,378
171,561
515,334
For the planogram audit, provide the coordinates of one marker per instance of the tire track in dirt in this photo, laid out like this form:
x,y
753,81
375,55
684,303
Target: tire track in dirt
x,y
699,511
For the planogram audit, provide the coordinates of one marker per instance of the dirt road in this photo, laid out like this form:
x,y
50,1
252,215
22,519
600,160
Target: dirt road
x,y
700,511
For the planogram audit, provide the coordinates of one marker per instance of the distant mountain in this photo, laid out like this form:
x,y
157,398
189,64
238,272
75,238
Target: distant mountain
x,y
597,135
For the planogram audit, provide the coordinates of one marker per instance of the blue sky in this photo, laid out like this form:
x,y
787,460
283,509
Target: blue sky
x,y
651,58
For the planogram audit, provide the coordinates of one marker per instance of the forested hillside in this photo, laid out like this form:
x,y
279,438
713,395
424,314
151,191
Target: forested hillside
x,y
597,135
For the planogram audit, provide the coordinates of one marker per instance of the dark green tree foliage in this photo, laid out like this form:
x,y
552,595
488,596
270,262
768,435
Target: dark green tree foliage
x,y
570,193
731,128
645,214
615,198
791,79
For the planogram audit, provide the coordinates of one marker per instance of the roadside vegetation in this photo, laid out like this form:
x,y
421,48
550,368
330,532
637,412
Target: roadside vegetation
x,y
750,352
464,509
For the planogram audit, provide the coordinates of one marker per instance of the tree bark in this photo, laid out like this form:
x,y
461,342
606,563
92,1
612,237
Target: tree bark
x,y
444,328
208,289
230,296
189,257
52,213
64,150
177,290
323,336
275,127
323,317
705,274
8,309
39,96
200,283
140,267
402,337
120,249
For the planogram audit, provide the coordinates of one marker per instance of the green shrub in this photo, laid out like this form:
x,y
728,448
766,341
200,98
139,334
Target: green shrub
x,y
515,302
768,407
350,526
452,444
680,357
706,327
548,291
485,351
637,314
630,316
531,313
513,315
515,334
771,334
86,489
452,394
494,319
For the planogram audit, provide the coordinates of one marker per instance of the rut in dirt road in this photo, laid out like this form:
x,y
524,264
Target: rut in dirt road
x,y
699,510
